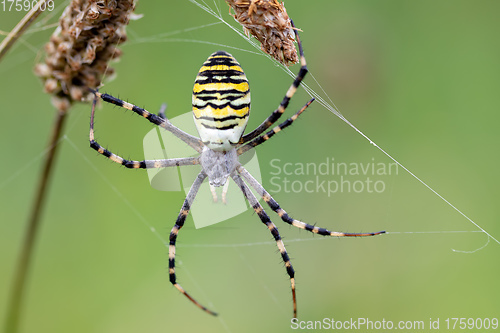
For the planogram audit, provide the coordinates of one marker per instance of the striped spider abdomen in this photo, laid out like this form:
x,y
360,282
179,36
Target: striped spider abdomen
x,y
221,102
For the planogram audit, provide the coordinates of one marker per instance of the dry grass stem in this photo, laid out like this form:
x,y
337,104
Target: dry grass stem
x,y
77,58
81,47
21,27
267,21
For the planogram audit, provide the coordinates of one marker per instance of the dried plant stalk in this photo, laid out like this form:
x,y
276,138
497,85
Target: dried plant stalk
x,y
77,58
21,27
268,21
81,47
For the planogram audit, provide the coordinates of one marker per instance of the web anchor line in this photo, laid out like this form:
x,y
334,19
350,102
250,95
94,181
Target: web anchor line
x,y
334,109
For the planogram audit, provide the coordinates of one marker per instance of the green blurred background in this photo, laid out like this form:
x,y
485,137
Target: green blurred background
x,y
420,78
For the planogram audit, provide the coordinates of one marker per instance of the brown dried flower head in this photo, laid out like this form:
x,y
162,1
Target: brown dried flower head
x,y
268,21
81,47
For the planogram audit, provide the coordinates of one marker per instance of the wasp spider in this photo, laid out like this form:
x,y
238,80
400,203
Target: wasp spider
x,y
221,106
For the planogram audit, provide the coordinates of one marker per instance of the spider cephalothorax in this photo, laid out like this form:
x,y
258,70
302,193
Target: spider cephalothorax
x,y
221,106
218,165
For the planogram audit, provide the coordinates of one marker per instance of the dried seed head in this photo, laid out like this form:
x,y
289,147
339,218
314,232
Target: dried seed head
x,y
80,48
267,21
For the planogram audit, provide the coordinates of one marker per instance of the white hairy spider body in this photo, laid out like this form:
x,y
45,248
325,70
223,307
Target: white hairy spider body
x,y
218,165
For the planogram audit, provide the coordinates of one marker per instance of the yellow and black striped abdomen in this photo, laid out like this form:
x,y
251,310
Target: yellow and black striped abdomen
x,y
221,101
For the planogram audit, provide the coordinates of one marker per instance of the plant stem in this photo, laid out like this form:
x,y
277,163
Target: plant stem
x,y
19,29
14,307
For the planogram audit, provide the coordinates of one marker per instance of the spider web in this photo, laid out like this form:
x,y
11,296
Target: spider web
x,y
322,98
319,94
330,106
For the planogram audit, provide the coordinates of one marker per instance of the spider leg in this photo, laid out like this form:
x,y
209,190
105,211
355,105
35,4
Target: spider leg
x,y
192,141
173,237
274,231
161,113
224,192
284,103
288,219
263,138
214,194
145,164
